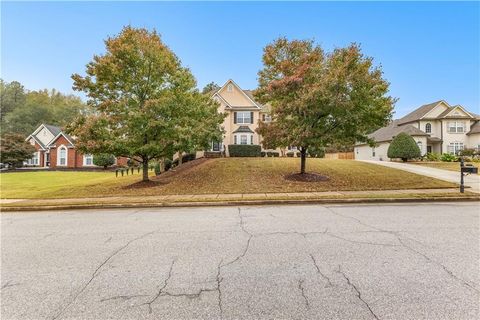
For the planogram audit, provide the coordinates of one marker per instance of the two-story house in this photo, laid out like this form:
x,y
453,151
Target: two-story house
x,y
243,115
436,127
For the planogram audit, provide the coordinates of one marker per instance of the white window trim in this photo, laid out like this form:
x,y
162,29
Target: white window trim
x,y
58,156
243,113
427,127
455,147
85,157
230,87
456,126
237,138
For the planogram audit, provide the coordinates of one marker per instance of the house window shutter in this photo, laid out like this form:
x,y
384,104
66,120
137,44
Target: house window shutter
x,y
251,117
251,139
235,139
235,117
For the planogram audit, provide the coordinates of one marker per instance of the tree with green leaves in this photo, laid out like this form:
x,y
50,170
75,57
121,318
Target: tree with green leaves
x,y
210,87
145,103
319,99
403,146
104,160
12,95
14,149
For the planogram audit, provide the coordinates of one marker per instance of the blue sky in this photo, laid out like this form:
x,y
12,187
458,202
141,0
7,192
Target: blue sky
x,y
428,50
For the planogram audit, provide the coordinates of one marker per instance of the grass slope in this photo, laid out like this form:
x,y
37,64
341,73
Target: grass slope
x,y
224,175
451,166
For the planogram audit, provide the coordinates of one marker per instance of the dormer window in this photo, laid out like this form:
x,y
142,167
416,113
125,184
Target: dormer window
x,y
230,87
428,128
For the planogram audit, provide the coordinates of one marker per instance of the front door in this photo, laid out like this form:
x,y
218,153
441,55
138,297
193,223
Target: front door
x,y
429,149
47,159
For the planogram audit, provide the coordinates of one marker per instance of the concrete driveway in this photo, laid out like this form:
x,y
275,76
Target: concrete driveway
x,y
472,180
416,261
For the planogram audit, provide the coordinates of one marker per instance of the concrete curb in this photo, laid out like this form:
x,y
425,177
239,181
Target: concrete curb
x,y
238,203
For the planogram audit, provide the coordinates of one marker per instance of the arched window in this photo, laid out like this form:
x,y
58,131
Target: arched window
x,y
428,128
62,156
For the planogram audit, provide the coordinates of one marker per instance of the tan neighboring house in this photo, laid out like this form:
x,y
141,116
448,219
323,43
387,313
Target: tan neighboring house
x,y
436,127
243,115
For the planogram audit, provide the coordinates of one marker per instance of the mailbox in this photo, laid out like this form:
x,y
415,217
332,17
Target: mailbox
x,y
469,169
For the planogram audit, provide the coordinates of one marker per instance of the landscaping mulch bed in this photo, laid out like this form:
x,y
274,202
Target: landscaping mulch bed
x,y
306,177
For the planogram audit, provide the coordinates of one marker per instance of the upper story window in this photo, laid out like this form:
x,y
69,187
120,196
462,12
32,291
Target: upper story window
x,y
428,128
243,117
456,127
230,87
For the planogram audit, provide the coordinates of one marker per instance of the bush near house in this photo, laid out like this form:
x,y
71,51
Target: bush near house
x,y
244,150
448,157
104,160
290,154
403,146
433,156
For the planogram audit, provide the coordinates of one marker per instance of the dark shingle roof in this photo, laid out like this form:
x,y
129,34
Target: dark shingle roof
x,y
389,132
419,112
53,129
243,129
475,128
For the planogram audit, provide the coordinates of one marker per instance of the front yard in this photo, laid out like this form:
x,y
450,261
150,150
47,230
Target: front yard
x,y
224,175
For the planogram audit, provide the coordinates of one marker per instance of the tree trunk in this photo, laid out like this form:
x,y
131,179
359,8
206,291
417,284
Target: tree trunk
x,y
303,155
145,169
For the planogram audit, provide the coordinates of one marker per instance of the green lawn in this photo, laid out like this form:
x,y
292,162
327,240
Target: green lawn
x,y
451,166
224,175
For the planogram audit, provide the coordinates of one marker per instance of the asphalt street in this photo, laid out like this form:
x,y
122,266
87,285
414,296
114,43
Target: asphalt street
x,y
405,261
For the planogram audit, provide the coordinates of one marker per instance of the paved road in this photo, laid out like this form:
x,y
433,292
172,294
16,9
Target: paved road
x,y
471,180
289,262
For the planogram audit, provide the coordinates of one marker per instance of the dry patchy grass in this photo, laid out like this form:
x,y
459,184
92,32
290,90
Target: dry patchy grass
x,y
451,166
224,175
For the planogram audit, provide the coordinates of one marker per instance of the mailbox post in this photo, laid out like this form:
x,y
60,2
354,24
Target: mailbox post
x,y
464,170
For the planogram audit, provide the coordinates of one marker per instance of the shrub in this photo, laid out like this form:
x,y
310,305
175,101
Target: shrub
x,y
130,163
404,147
467,152
263,154
168,164
244,150
188,157
448,157
298,154
276,154
157,169
433,156
290,154
315,152
104,160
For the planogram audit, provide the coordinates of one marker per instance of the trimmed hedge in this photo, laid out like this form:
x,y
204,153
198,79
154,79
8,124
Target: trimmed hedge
x,y
403,146
244,150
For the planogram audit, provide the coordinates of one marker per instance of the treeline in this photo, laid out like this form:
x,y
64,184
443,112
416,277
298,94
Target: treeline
x,y
23,110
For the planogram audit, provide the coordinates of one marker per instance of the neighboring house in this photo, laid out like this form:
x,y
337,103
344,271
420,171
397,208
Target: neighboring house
x,y
436,127
243,115
56,149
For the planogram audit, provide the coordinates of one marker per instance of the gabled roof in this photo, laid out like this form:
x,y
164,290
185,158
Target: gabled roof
x,y
387,133
248,94
475,128
36,140
446,113
55,131
420,112
66,136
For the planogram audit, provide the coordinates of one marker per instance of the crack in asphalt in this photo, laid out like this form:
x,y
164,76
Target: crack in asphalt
x,y
9,284
250,236
358,293
398,236
124,297
160,291
302,292
361,242
97,271
319,271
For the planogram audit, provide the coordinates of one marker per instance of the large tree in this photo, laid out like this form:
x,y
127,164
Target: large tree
x,y
14,150
142,100
318,99
210,87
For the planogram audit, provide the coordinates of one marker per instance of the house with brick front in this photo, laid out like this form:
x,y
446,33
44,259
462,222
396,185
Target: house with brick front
x,y
56,149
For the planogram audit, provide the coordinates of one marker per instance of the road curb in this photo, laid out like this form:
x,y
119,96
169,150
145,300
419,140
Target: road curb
x,y
237,203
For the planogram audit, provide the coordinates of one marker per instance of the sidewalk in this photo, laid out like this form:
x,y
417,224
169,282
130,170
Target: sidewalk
x,y
239,199
472,180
